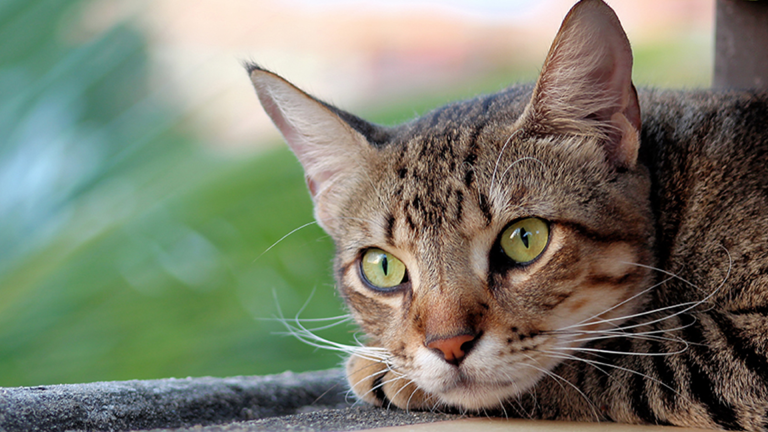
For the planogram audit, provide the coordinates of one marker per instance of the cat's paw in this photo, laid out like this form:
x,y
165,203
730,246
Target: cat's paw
x,y
377,384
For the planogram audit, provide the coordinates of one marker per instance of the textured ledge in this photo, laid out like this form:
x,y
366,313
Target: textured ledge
x,y
304,402
167,403
311,401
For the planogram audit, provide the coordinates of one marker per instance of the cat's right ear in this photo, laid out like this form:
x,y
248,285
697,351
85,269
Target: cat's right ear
x,y
585,87
325,139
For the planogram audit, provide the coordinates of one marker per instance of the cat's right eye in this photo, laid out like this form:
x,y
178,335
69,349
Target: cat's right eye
x,y
382,270
524,240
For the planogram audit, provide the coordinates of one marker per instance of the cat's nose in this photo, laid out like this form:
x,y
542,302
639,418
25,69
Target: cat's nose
x,y
454,349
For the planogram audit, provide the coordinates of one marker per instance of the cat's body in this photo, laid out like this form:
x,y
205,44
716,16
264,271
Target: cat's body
x,y
642,290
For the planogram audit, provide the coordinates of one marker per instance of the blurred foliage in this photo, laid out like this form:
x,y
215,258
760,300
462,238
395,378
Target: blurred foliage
x,y
127,250
683,62
130,251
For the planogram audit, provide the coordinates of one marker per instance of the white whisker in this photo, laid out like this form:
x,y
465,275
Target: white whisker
x,y
506,171
498,160
637,336
392,398
293,231
595,362
558,378
501,405
629,353
377,373
296,328
416,388
582,322
687,306
283,238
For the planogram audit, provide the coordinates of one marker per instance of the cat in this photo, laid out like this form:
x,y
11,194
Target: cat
x,y
571,250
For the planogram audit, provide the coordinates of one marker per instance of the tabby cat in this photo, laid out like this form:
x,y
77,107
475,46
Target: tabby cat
x,y
570,250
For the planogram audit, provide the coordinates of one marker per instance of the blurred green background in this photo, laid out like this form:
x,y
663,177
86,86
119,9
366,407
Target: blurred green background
x,y
131,249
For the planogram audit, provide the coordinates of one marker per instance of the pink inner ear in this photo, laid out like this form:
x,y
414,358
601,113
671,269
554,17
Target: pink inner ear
x,y
319,138
289,132
586,83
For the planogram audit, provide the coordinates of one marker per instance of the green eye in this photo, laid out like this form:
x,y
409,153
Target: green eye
x,y
525,239
381,269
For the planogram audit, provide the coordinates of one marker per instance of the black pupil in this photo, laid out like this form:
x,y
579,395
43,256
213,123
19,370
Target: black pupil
x,y
524,237
384,264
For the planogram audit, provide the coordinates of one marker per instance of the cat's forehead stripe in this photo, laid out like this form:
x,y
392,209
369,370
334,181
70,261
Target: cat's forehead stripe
x,y
390,229
435,171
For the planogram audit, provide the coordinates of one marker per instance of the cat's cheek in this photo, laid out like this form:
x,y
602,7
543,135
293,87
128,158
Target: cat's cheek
x,y
377,384
615,262
362,375
609,289
588,307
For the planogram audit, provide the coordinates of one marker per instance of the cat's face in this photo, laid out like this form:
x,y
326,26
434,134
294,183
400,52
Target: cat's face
x,y
444,202
477,246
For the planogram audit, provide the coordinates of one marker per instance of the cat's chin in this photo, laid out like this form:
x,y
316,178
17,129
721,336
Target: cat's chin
x,y
477,396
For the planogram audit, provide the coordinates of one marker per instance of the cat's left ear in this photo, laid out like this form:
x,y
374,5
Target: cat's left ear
x,y
332,145
585,87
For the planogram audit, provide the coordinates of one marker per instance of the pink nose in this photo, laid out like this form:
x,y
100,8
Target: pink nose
x,y
451,347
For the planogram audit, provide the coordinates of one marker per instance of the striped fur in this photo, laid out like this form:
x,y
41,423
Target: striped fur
x,y
648,304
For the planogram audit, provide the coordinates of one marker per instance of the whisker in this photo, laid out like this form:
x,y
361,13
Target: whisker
x,y
296,328
377,373
342,318
416,388
629,353
350,392
283,238
635,336
668,273
557,378
380,385
501,405
326,327
617,332
506,171
594,362
645,291
687,305
436,404
410,381
306,336
498,160
293,231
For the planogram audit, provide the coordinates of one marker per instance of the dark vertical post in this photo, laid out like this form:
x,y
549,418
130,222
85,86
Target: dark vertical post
x,y
741,44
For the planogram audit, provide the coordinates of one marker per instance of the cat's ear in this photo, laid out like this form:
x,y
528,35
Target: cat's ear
x,y
585,87
329,143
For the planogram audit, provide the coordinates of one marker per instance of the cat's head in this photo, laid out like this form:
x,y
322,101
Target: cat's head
x,y
482,242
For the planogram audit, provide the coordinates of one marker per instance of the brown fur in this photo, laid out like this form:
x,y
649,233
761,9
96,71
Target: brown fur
x,y
648,304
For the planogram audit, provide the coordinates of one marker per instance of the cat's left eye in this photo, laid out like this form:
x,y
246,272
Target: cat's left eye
x,y
382,270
